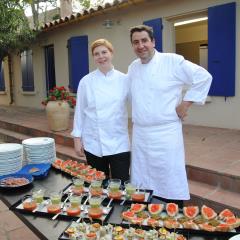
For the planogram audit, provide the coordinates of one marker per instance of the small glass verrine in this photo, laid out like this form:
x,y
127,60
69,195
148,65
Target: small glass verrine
x,y
114,190
129,188
28,203
95,201
78,182
75,201
55,197
38,195
114,185
96,188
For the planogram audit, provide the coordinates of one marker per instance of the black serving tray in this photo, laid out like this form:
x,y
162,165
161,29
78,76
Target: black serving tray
x,y
64,236
43,211
148,194
189,233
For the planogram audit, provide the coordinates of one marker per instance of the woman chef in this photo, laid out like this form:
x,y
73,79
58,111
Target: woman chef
x,y
101,121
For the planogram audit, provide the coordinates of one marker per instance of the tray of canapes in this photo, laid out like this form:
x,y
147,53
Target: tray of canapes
x,y
190,217
96,231
77,169
110,190
70,207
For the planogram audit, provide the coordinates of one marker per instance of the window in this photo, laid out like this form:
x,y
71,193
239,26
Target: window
x,y
27,71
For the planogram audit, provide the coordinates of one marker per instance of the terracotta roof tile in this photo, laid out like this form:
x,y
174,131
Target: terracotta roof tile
x,y
87,13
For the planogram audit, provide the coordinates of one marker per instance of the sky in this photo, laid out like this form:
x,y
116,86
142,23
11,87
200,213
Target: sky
x,y
28,11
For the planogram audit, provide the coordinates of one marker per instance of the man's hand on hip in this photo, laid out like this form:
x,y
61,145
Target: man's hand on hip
x,y
182,109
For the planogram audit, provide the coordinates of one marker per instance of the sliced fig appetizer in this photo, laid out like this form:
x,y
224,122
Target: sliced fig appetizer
x,y
191,211
137,207
208,213
225,214
172,209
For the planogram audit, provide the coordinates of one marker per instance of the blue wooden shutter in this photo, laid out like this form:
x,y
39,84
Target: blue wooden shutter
x,y
2,81
27,71
156,24
78,60
222,49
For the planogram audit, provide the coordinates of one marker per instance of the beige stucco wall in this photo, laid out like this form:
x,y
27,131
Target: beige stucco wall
x,y
29,99
218,113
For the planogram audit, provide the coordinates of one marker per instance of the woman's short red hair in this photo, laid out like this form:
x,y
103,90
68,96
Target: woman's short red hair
x,y
102,42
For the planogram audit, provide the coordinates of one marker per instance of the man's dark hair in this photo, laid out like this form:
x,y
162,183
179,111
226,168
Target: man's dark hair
x,y
141,28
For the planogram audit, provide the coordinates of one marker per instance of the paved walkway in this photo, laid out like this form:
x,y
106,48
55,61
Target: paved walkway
x,y
12,228
216,149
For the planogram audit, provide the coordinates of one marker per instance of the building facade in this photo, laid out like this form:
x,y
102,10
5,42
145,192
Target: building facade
x,y
62,56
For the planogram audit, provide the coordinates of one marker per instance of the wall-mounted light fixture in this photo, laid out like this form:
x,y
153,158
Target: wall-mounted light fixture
x,y
190,21
108,23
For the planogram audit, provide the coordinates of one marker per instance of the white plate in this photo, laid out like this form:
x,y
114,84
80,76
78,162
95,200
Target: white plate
x,y
236,237
10,147
38,141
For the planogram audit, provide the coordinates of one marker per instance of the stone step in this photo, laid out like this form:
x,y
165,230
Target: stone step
x,y
213,196
218,179
62,151
60,137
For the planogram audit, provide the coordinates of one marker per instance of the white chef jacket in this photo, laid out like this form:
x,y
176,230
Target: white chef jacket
x,y
101,117
158,160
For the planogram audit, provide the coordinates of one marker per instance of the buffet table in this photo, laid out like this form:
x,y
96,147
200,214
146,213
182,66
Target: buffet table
x,y
45,228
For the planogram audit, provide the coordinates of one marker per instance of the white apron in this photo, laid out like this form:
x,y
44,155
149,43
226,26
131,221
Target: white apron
x,y
158,160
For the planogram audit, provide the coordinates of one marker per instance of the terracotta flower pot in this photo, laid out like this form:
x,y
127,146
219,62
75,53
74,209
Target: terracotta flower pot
x,y
58,113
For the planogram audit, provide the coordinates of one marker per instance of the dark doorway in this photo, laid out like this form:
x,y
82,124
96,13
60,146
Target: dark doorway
x,y
50,68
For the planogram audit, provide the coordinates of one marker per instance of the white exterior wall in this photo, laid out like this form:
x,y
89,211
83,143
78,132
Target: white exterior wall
x,y
217,113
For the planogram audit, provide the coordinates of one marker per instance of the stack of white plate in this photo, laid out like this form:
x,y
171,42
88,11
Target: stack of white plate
x,y
39,150
11,155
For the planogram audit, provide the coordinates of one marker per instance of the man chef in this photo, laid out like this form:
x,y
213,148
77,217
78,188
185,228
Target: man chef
x,y
157,80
